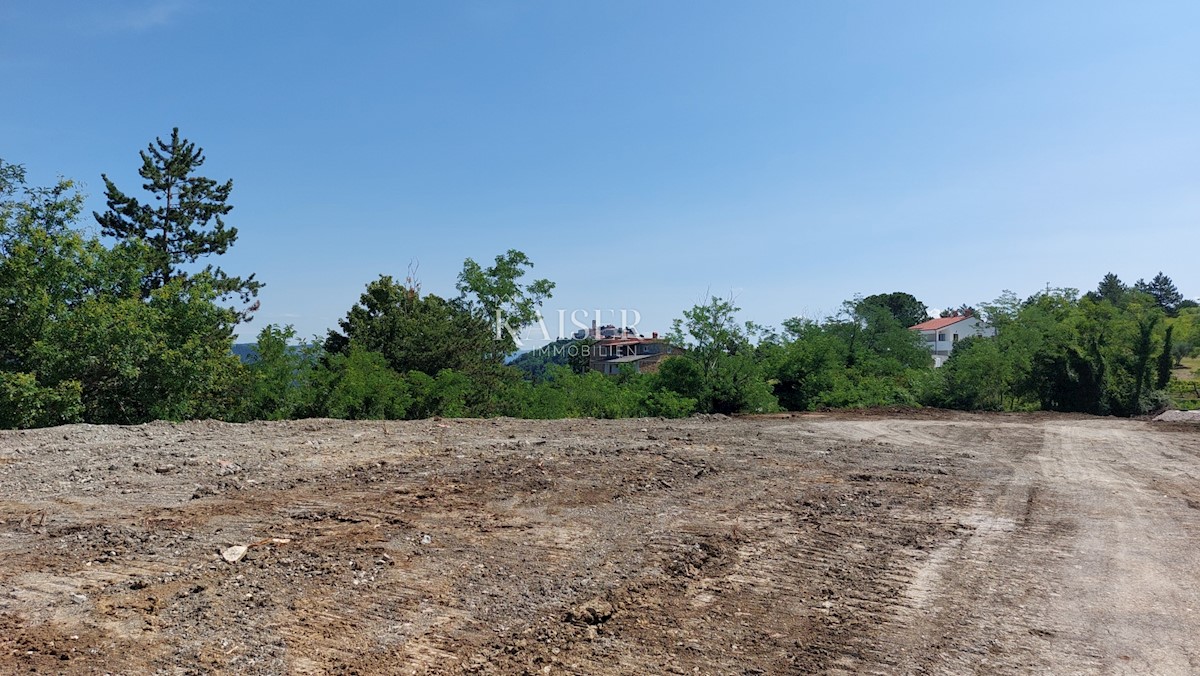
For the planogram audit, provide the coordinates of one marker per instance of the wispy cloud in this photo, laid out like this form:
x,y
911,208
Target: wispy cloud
x,y
138,17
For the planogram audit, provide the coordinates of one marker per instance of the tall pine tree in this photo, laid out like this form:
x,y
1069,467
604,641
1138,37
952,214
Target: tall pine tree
x,y
183,223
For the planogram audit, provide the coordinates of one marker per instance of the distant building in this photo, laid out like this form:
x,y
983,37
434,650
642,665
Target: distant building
x,y
941,334
606,331
608,355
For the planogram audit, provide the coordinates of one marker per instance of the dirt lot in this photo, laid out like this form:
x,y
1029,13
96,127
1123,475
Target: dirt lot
x,y
919,543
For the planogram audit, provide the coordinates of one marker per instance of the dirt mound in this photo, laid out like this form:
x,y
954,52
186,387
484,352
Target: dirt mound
x,y
1178,416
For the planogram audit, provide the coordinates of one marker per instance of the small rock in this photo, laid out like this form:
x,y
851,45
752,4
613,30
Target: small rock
x,y
235,553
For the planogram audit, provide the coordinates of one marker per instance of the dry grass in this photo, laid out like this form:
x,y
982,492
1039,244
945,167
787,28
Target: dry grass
x,y
1190,370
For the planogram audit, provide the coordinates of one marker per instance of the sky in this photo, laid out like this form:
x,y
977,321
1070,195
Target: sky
x,y
645,155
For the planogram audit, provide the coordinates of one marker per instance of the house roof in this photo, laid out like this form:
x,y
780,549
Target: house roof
x,y
940,323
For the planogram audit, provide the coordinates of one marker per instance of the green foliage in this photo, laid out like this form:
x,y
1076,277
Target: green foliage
x,y
359,385
184,222
904,307
1111,289
1166,296
536,365
1166,360
282,377
415,332
496,295
963,310
449,394
25,403
977,376
165,358
1056,351
722,372
863,357
563,393
78,340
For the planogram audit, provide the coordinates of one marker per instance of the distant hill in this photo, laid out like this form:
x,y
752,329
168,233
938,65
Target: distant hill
x,y
245,351
533,363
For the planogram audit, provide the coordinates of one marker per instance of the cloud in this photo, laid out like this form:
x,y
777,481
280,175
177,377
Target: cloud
x,y
140,17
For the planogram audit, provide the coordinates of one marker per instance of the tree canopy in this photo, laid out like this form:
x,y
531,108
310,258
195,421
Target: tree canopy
x,y
183,223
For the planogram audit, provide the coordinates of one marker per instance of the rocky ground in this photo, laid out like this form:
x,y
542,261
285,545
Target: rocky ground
x,y
919,542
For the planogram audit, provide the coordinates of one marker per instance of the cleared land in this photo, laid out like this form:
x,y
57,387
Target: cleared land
x,y
918,543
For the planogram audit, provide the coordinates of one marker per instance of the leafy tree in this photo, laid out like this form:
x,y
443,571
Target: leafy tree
x,y
497,295
26,403
449,393
359,385
535,364
415,332
168,357
904,307
282,377
976,376
1002,311
875,340
185,221
1142,351
720,372
963,310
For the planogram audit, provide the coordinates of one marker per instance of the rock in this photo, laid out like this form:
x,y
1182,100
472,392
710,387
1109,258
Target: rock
x,y
593,612
235,553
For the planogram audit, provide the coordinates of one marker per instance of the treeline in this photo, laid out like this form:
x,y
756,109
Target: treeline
x,y
136,330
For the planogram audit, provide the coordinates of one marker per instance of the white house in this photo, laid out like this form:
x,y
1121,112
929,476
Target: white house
x,y
941,334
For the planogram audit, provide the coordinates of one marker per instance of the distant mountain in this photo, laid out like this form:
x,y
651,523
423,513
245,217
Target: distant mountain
x,y
533,363
245,351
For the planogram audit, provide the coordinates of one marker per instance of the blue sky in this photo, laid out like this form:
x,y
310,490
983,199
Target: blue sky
x,y
643,154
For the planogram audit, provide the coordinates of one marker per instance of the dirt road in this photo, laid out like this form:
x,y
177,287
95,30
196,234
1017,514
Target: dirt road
x,y
919,543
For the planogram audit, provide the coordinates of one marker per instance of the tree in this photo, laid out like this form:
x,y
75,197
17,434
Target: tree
x,y
185,223
167,357
1111,289
281,376
1166,360
963,310
1002,311
414,332
903,306
723,375
496,294
359,385
1163,291
976,376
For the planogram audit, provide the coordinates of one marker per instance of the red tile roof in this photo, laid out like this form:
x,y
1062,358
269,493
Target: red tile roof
x,y
939,323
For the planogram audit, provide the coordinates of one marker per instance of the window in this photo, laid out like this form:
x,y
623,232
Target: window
x,y
941,337
955,338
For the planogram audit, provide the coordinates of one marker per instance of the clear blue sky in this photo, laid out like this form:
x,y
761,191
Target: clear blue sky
x,y
642,153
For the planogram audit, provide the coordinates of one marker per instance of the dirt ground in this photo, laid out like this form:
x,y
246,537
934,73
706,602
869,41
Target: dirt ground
x,y
841,543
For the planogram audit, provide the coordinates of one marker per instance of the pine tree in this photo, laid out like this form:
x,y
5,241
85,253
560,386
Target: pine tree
x,y
1111,289
1164,292
185,222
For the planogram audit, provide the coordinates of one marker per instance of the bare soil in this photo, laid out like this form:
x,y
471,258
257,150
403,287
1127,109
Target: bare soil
x,y
825,543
